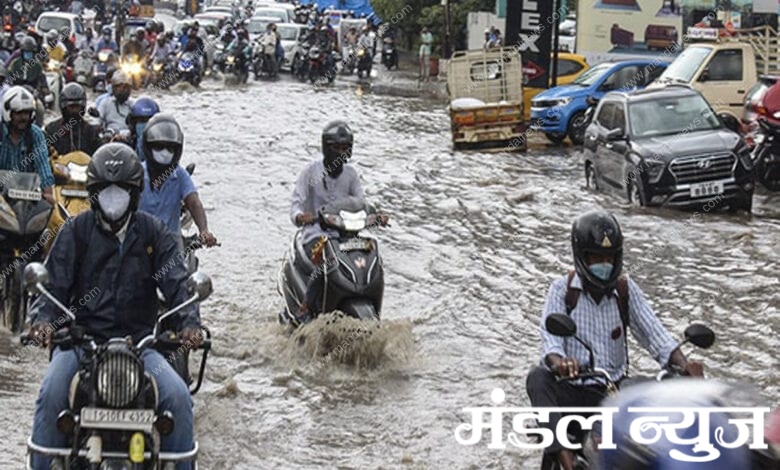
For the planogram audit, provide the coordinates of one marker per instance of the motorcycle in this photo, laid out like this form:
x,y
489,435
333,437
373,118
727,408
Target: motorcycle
x,y
562,325
300,62
105,59
351,265
134,69
55,80
766,156
82,69
236,64
188,68
263,65
364,62
113,420
320,65
161,72
350,61
24,215
70,190
389,53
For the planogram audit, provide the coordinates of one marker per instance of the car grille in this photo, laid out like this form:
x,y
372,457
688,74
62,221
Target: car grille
x,y
544,104
702,168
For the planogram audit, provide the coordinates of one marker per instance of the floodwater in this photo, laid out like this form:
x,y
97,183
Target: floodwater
x,y
474,242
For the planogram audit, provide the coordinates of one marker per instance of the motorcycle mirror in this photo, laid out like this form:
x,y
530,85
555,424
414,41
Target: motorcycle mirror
x,y
200,283
191,168
93,112
700,335
560,325
35,273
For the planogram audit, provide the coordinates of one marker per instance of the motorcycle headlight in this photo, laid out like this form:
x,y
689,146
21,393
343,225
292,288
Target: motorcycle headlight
x,y
231,59
38,222
119,377
135,68
158,66
103,56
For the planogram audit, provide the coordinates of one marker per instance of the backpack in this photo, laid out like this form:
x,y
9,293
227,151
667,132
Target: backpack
x,y
573,295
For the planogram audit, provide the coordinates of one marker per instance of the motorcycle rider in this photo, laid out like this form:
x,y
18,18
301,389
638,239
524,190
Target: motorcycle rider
x,y
142,110
120,251
195,45
27,69
115,109
71,132
592,295
166,183
162,48
106,41
321,182
54,47
137,46
4,86
268,41
350,40
23,144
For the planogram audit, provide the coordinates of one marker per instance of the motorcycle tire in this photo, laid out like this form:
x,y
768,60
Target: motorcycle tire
x,y
13,317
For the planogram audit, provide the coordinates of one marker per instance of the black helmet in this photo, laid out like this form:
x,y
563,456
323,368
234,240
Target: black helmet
x,y
597,232
73,93
163,132
337,133
115,164
28,44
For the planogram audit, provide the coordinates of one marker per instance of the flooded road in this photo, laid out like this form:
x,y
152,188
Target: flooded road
x,y
475,241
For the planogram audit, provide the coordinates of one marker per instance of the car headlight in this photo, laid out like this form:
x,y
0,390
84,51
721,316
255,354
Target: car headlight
x,y
119,377
654,169
561,102
743,152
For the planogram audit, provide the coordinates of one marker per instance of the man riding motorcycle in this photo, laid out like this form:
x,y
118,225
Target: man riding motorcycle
x,y
142,110
106,41
27,69
196,45
71,132
136,47
115,109
54,47
23,144
319,183
603,304
166,183
120,252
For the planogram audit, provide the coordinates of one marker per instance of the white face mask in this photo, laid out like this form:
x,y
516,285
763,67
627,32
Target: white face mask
x,y
114,202
163,157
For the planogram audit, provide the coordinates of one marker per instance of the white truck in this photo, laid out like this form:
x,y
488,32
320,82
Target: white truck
x,y
724,64
486,98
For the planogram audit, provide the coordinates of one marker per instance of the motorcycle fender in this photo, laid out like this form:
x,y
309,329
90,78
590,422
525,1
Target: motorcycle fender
x,y
361,309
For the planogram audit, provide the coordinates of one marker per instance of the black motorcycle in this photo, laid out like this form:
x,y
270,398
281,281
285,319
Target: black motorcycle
x,y
113,421
321,65
237,65
351,265
24,217
300,62
389,53
162,72
562,325
364,62
766,156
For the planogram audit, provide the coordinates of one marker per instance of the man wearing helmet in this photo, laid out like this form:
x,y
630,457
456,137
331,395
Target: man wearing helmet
x,y
71,132
27,69
54,47
321,182
166,183
125,255
136,47
143,109
106,41
115,109
23,147
603,303
195,45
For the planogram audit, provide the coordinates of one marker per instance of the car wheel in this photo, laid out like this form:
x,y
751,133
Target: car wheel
x,y
576,128
635,196
591,182
555,137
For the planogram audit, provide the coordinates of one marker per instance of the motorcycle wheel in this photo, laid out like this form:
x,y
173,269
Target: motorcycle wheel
x,y
13,318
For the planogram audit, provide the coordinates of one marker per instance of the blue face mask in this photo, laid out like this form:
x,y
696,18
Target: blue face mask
x,y
27,55
139,129
601,270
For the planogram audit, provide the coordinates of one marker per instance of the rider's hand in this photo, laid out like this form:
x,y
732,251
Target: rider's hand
x,y
307,218
194,336
48,195
567,367
694,368
383,218
41,334
208,238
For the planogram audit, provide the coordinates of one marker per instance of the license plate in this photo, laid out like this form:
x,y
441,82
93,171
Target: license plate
x,y
24,195
706,189
490,136
106,418
352,245
75,193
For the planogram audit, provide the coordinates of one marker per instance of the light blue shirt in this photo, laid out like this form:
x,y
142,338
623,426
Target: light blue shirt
x,y
165,201
596,324
20,158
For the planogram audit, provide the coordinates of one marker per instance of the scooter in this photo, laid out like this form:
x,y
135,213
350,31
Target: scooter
x,y
71,197
82,69
105,59
389,53
766,156
189,68
23,218
351,265
112,419
364,62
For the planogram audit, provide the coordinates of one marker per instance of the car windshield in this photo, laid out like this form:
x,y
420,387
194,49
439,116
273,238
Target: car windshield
x,y
592,75
668,116
48,23
280,14
288,33
685,66
257,26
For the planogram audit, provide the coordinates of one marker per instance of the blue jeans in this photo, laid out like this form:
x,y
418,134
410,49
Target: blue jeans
x,y
53,398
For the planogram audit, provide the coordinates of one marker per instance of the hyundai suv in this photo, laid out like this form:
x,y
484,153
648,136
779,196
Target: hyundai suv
x,y
667,146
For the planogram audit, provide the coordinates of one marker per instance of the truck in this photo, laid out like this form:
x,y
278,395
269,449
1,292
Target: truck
x,y
723,64
485,90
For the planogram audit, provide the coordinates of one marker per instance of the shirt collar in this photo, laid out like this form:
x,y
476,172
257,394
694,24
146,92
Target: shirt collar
x,y
576,283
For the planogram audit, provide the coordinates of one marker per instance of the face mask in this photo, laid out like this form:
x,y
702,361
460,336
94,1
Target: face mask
x,y
334,166
27,55
114,202
163,157
139,129
121,97
601,270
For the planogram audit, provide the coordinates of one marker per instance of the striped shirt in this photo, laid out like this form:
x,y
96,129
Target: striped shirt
x,y
599,324
19,158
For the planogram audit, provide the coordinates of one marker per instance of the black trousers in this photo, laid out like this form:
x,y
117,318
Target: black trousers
x,y
545,391
316,282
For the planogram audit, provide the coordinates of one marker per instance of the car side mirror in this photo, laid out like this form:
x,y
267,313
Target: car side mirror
x,y
700,335
559,324
705,75
615,135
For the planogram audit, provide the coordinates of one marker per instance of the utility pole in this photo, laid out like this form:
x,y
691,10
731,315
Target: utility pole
x,y
447,42
556,43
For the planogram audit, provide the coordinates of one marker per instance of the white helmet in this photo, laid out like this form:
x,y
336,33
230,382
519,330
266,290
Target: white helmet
x,y
17,99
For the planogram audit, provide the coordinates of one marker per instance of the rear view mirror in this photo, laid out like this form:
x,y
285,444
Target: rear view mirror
x,y
93,112
700,335
200,283
559,324
34,274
